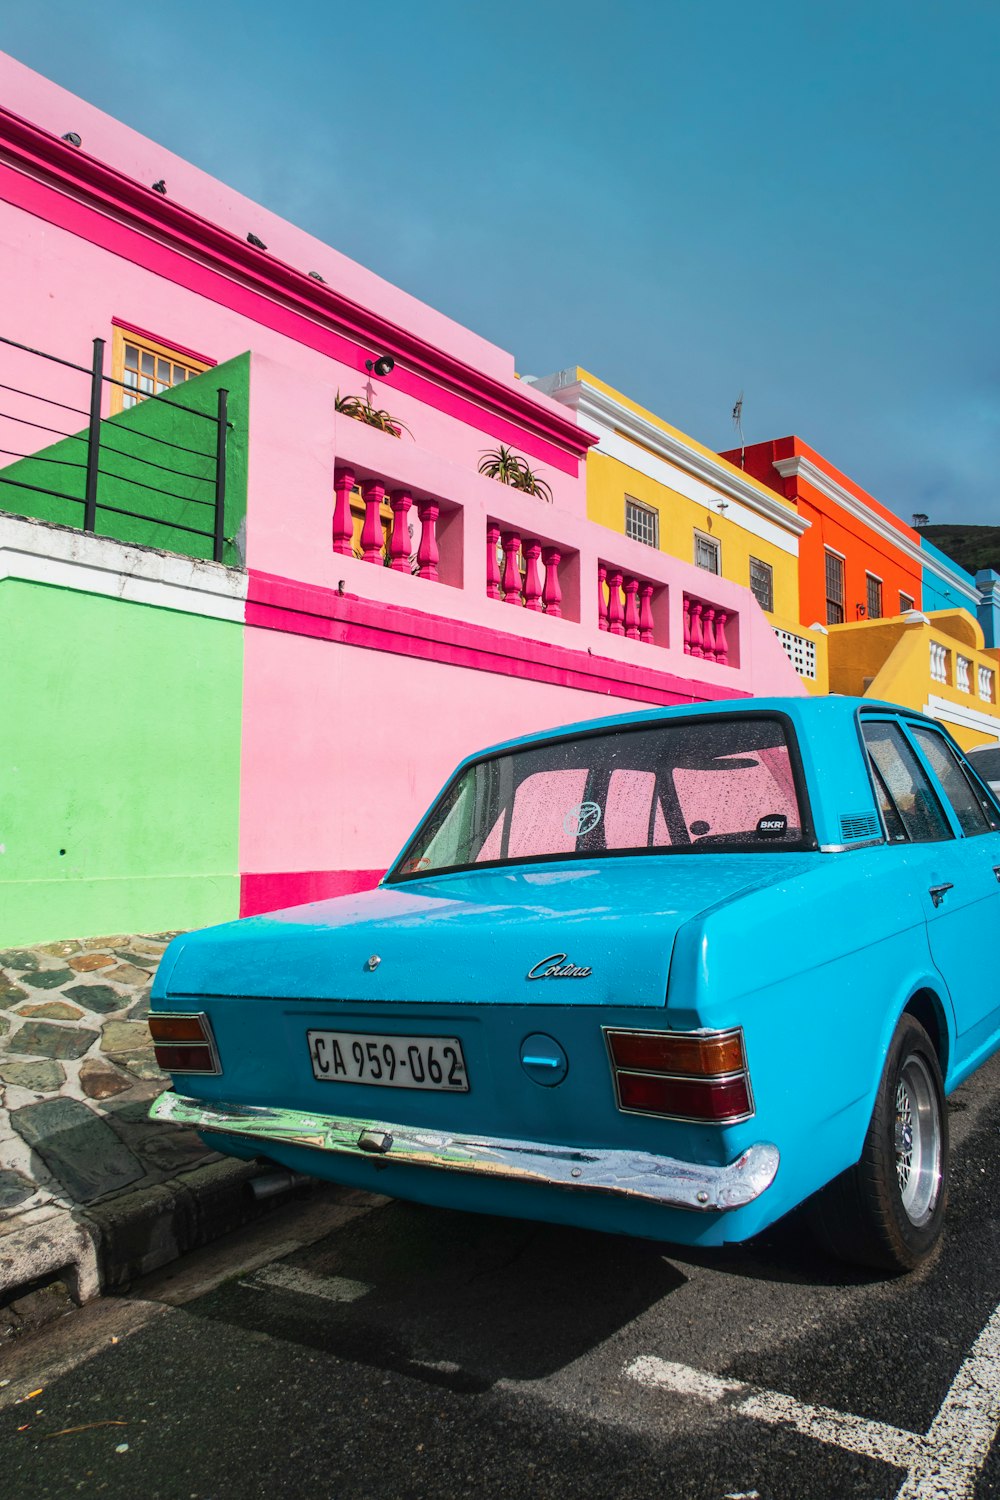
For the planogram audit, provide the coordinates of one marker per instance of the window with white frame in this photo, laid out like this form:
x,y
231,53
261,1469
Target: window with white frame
x,y
762,584
873,601
642,522
834,588
707,552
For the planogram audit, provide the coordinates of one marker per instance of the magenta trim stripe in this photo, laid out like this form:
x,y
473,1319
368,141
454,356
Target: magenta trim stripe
x,y
275,889
499,409
303,609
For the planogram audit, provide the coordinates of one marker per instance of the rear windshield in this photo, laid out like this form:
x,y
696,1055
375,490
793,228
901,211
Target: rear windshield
x,y
695,785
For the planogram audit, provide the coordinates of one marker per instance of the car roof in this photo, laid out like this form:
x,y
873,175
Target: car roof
x,y
804,712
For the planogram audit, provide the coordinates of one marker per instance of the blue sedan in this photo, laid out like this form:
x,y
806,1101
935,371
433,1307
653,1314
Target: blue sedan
x,y
670,974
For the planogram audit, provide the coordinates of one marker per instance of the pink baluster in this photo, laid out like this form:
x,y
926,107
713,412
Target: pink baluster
x,y
646,612
721,643
343,522
399,541
615,612
631,611
511,571
602,603
697,648
708,641
532,577
551,592
372,540
687,625
492,564
428,555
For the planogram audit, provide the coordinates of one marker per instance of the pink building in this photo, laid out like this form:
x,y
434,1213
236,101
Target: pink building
x,y
401,609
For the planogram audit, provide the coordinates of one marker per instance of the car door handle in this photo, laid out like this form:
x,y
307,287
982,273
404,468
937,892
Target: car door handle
x,y
938,892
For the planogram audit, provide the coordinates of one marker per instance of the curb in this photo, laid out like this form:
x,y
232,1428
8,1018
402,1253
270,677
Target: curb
x,y
107,1246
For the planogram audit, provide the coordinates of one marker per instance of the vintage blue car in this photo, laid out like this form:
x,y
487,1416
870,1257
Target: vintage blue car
x,y
668,974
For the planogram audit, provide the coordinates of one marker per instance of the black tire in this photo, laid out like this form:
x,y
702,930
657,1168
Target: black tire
x,y
888,1210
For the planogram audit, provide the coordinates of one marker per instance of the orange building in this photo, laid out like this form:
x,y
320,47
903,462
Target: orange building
x,y
857,561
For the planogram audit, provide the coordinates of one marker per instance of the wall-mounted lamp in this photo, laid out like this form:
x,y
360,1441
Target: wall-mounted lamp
x,y
383,365
73,138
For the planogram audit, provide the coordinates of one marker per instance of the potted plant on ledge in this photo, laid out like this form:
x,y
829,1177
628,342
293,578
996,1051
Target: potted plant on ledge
x,y
508,467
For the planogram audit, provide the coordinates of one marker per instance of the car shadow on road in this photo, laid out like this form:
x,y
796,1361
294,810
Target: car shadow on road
x,y
456,1299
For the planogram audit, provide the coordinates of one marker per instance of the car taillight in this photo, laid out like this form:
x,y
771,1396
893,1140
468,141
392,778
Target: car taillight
x,y
184,1043
682,1075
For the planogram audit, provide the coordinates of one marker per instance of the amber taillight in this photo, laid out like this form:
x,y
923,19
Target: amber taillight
x,y
184,1043
699,1076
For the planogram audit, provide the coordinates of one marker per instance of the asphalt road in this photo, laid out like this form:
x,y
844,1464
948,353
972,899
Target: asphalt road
x,y
351,1346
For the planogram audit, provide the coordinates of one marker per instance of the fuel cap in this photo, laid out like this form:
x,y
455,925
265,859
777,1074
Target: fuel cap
x,y
543,1059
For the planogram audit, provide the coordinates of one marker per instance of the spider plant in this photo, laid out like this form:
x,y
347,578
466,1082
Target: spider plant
x,y
363,411
508,467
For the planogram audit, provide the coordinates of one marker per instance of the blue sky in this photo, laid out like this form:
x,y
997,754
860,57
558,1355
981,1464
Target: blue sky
x,y
794,200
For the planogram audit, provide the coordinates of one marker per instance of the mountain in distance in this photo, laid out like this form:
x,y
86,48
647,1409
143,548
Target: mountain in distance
x,y
972,547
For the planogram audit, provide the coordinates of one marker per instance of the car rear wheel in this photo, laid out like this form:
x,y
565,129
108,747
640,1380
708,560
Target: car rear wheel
x,y
888,1210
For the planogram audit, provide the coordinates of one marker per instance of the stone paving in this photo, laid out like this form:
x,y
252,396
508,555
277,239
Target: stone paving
x,y
77,1074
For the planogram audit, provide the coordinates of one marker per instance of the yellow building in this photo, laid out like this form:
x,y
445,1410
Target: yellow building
x,y
649,481
936,662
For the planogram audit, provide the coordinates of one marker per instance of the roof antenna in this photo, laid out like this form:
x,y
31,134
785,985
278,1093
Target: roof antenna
x,y
738,424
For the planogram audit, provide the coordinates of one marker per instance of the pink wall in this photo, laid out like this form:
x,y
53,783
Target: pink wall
x,y
347,733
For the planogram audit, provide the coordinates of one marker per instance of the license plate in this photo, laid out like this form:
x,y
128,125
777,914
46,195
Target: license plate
x,y
396,1062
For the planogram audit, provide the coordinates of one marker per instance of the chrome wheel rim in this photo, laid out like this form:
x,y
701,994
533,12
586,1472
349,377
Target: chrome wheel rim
x,y
917,1141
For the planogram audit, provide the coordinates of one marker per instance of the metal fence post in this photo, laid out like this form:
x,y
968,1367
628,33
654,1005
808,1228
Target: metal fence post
x,y
222,427
94,437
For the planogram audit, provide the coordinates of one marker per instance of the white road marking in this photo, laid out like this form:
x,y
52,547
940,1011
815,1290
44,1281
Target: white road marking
x,y
941,1464
292,1279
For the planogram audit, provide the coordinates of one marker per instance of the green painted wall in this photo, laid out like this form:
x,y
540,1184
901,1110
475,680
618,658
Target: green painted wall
x,y
135,469
119,766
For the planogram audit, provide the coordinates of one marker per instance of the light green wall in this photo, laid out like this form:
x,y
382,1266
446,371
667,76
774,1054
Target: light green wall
x,y
135,470
120,746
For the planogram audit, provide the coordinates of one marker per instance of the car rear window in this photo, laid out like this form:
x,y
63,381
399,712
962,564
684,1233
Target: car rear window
x,y
691,786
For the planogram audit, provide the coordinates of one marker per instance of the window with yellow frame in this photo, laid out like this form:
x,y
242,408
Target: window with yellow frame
x,y
145,367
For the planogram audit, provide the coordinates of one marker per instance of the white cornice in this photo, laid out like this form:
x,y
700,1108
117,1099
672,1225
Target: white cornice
x,y
592,405
957,713
35,552
800,467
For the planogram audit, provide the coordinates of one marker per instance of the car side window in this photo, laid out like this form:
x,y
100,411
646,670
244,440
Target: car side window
x,y
971,808
900,778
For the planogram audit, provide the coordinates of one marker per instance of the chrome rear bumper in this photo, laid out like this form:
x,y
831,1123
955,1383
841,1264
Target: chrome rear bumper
x,y
624,1174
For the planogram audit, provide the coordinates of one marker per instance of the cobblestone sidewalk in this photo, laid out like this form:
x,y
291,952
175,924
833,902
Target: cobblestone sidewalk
x,y
77,1151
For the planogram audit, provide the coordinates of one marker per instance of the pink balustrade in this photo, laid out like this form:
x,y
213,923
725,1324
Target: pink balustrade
x,y
705,630
394,550
625,603
529,574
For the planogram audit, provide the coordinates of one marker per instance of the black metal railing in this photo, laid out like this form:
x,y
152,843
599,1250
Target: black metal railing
x,y
94,470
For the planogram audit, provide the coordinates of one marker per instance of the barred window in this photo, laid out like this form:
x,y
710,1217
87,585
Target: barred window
x,y
874,599
762,583
905,603
706,552
834,589
642,522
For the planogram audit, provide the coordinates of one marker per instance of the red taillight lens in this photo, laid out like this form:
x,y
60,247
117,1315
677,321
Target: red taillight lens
x,y
712,1099
185,1059
184,1044
682,1075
